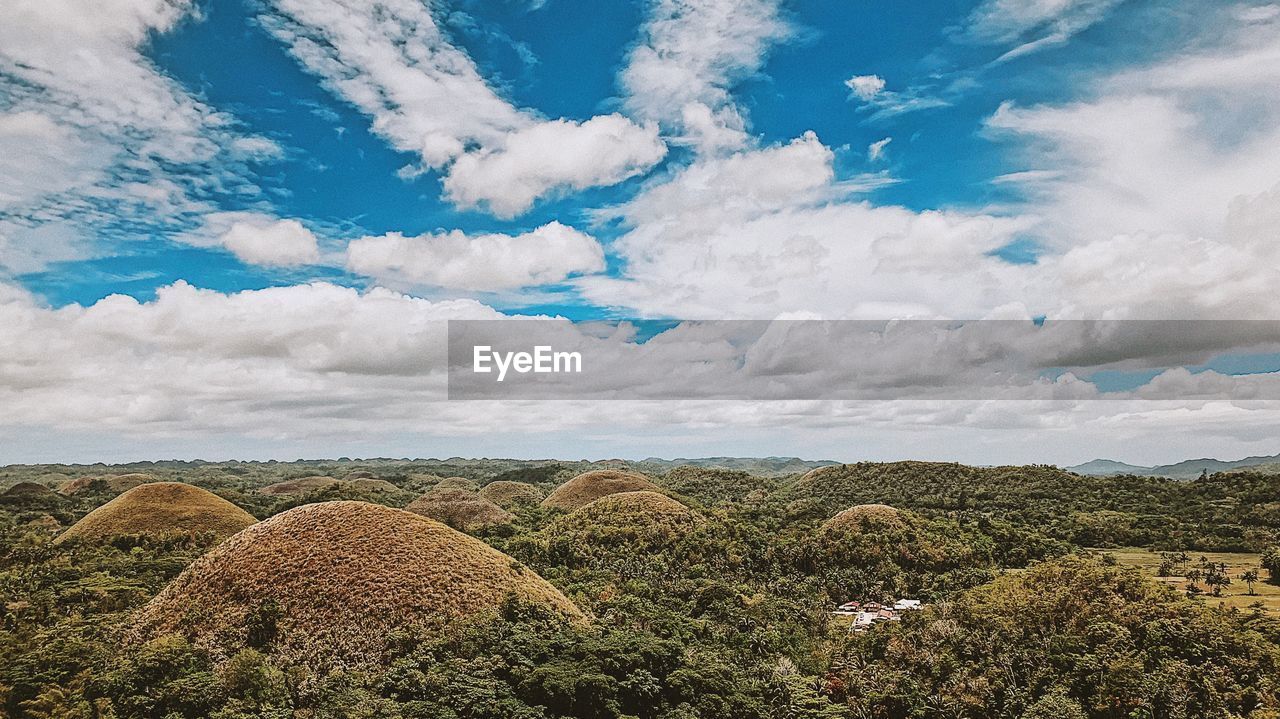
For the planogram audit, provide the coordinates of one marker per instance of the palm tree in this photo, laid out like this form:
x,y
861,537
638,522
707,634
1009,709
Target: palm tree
x,y
1250,577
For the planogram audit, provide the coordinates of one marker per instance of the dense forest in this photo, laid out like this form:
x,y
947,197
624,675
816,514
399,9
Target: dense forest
x,y
685,593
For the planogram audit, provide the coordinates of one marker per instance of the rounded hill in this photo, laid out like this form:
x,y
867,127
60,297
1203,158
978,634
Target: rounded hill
x,y
28,489
590,486
328,583
506,493
372,484
455,483
865,516
627,521
460,509
160,508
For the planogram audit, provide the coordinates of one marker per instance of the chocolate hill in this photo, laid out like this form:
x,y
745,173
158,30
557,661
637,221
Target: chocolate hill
x,y
506,493
590,486
161,508
330,581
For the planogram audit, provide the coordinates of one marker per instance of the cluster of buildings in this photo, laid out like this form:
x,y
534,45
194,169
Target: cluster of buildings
x,y
868,614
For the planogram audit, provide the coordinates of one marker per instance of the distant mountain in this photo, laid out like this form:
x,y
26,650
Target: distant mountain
x,y
1105,467
1187,469
761,466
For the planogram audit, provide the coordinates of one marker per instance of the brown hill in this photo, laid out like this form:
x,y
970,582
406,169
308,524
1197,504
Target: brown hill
x,y
626,522
455,483
460,509
865,516
590,486
126,482
160,508
506,493
644,504
302,485
30,490
331,581
373,485
359,474
75,486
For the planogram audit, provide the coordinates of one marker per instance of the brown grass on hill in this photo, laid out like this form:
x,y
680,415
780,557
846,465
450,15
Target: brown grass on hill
x,y
161,508
74,486
302,485
28,490
334,580
373,485
590,486
864,515
460,509
642,503
507,494
359,474
627,521
126,482
455,483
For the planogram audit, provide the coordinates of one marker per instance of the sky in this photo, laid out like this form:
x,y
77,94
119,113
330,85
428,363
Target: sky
x,y
233,228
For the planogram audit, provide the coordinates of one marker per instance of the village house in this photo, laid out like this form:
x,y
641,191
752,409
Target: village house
x,y
868,614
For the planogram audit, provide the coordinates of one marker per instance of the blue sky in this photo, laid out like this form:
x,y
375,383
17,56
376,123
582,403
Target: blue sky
x,y
230,225
562,59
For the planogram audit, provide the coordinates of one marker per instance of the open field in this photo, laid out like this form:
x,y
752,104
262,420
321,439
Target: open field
x,y
1236,595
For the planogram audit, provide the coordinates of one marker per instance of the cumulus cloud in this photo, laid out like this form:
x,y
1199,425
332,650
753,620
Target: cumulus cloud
x,y
865,87
550,156
392,60
297,371
690,55
771,230
487,262
1160,218
262,241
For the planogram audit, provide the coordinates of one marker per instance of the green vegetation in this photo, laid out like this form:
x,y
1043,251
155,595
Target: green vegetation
x,y
691,593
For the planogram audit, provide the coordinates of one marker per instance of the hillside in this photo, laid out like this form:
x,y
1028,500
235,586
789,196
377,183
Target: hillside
x,y
339,577
161,508
1186,469
590,486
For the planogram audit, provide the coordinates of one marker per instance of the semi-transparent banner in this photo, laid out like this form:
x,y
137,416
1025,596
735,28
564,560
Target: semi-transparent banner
x,y
860,359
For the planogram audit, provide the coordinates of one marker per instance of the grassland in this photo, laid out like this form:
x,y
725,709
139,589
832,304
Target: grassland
x,y
1236,595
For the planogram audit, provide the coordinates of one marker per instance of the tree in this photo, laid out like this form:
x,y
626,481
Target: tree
x,y
1216,578
1271,563
1250,577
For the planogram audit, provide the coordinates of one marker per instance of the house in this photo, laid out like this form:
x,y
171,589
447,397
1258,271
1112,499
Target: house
x,y
868,614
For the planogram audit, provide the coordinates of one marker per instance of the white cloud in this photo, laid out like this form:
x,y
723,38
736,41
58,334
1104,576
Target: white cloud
x,y
487,262
690,55
1031,25
257,148
94,138
865,87
271,242
1149,218
869,91
771,230
875,150
551,156
320,370
426,96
